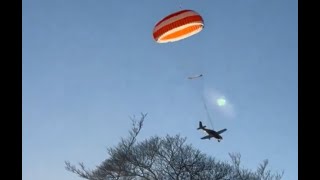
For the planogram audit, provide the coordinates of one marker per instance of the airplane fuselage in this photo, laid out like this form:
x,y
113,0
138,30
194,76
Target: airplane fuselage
x,y
213,133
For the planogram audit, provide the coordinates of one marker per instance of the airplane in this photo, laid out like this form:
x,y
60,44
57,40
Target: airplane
x,y
194,77
211,133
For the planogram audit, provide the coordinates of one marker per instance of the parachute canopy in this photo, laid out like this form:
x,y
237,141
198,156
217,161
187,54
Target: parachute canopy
x,y
178,26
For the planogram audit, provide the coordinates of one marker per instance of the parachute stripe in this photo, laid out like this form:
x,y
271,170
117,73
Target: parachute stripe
x,y
172,15
183,33
173,19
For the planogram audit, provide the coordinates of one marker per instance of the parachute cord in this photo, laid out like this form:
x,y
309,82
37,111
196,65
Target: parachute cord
x,y
207,111
180,4
205,105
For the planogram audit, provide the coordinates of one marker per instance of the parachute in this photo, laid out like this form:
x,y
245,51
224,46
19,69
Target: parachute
x,y
178,26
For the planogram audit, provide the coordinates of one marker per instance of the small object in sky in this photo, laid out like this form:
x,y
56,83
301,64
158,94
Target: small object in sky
x,y
211,133
194,77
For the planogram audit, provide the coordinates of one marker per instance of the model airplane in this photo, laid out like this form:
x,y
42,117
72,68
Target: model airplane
x,y
211,133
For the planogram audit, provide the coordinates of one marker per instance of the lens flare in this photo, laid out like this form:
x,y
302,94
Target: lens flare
x,y
221,102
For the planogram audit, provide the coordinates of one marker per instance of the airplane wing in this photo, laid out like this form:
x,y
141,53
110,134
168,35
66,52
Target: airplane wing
x,y
221,131
206,137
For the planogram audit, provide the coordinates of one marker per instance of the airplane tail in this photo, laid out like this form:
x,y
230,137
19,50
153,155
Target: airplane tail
x,y
201,126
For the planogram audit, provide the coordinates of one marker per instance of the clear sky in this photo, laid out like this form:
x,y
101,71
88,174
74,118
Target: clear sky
x,y
88,65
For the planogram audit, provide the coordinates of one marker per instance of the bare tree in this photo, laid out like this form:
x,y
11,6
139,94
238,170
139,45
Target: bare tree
x,y
167,158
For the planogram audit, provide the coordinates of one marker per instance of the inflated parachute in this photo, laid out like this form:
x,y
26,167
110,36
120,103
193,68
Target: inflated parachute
x,y
178,26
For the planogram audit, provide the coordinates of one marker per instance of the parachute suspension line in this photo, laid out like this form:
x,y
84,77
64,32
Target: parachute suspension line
x,y
205,105
180,4
208,114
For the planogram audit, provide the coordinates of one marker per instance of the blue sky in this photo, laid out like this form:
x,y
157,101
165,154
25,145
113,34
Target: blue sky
x,y
90,65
